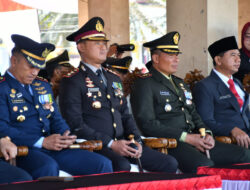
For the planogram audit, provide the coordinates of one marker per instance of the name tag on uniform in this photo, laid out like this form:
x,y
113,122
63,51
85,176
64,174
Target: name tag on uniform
x,y
164,93
93,89
225,97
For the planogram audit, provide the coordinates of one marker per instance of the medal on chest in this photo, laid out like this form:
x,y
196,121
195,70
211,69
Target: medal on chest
x,y
46,101
93,92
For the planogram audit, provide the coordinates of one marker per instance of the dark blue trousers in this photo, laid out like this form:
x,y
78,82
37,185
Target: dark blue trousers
x,y
41,162
9,174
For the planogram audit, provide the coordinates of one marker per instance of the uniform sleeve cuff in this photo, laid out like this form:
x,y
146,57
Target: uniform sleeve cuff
x,y
110,143
183,136
209,132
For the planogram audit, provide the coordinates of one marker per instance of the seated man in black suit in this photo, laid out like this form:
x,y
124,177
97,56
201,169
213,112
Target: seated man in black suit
x,y
220,98
162,106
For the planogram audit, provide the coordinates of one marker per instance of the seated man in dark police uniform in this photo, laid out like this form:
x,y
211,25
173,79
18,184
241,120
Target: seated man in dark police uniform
x,y
92,102
162,106
55,69
29,116
220,98
9,173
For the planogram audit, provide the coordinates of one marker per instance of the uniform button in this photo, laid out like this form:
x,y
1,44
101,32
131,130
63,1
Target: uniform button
x,y
182,109
101,81
180,98
167,100
43,130
114,124
40,119
187,121
108,96
37,106
112,110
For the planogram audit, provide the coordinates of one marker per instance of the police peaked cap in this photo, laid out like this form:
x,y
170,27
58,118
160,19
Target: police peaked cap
x,y
34,52
167,43
222,45
92,30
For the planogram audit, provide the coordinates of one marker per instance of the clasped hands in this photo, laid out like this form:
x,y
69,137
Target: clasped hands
x,y
58,142
201,144
122,148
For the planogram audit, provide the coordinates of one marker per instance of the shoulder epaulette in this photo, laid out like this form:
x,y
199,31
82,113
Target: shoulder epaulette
x,y
41,78
2,79
71,73
145,75
112,71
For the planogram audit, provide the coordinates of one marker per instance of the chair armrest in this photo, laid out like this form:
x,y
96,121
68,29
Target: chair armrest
x,y
160,142
21,151
90,145
226,139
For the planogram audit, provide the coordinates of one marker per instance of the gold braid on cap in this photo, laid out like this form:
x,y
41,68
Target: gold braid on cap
x,y
32,55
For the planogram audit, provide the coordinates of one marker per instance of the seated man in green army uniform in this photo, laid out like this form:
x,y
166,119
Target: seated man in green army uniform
x,y
162,106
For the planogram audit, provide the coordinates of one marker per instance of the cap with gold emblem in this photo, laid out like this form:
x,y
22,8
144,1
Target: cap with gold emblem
x,y
167,43
119,64
52,64
92,30
34,52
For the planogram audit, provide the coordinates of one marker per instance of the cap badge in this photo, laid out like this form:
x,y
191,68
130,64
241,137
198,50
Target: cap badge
x,y
99,26
176,38
45,53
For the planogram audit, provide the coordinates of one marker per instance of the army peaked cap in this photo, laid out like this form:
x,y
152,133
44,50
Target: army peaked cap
x,y
120,64
167,43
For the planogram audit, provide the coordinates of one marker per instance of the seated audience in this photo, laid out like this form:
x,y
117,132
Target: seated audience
x,y
162,106
92,102
31,117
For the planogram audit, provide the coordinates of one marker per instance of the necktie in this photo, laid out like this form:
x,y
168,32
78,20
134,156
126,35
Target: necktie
x,y
233,90
99,74
26,86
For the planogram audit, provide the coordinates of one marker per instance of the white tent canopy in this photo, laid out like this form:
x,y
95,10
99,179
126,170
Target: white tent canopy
x,y
59,6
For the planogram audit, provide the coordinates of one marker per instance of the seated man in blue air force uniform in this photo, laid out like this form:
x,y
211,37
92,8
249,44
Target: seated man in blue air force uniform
x,y
92,102
220,99
162,106
29,116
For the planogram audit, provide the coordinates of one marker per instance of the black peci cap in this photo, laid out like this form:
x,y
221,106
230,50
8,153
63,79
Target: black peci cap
x,y
222,45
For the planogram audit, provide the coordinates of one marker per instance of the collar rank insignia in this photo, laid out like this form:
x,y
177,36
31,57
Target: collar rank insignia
x,y
2,79
41,78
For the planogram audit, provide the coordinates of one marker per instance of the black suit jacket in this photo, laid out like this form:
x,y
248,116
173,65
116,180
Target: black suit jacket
x,y
218,106
111,121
